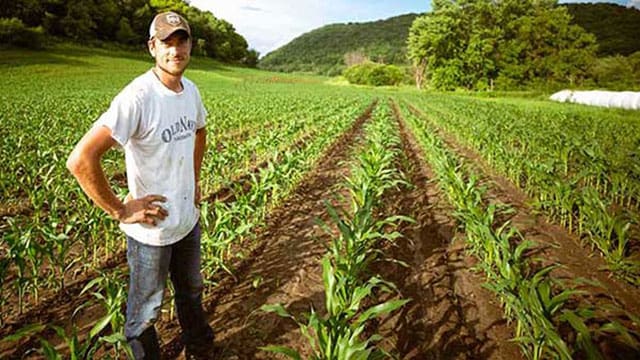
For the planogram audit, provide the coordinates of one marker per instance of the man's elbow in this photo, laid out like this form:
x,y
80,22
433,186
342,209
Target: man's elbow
x,y
87,154
76,164
73,163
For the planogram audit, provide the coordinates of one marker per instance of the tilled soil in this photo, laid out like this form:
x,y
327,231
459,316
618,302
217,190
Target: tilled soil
x,y
284,269
557,246
450,316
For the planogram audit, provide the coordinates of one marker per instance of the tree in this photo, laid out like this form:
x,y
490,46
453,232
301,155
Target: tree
x,y
355,57
125,34
108,20
78,22
514,43
434,40
251,59
127,22
370,73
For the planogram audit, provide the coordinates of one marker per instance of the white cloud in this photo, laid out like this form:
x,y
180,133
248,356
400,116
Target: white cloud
x,y
634,3
268,25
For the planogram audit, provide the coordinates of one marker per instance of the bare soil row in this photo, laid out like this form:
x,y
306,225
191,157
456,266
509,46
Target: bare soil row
x,y
557,246
450,317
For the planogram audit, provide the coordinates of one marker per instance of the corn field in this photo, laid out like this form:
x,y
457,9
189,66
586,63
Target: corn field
x,y
298,181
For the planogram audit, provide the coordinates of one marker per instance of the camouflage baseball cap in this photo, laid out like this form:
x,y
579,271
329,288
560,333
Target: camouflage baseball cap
x,y
166,23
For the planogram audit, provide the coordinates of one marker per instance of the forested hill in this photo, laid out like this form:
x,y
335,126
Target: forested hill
x,y
616,27
32,23
323,50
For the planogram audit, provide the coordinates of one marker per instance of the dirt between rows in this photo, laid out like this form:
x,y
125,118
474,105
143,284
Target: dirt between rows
x,y
451,315
285,268
557,246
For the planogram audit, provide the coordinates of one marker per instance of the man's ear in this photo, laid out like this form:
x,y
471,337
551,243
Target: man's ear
x,y
152,47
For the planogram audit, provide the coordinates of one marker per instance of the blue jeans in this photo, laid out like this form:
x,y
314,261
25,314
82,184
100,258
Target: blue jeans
x,y
149,267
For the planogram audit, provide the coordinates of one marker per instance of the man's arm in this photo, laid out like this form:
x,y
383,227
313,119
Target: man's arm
x,y
198,155
84,164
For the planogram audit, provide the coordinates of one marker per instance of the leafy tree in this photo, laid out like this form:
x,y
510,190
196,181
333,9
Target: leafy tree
x,y
616,27
435,42
512,43
13,31
251,59
355,57
127,22
374,74
108,18
78,22
617,72
30,12
125,34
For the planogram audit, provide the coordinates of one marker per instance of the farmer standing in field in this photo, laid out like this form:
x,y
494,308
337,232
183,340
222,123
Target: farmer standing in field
x,y
159,120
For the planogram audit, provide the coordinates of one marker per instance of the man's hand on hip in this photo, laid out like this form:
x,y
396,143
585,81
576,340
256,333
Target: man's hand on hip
x,y
142,210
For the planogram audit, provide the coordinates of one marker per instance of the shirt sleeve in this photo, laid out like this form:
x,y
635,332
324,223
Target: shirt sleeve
x,y
202,112
122,117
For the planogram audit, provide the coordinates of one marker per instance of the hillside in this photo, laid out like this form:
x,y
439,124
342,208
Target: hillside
x,y
616,27
322,50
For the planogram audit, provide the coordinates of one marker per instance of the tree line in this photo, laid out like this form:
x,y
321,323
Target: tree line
x,y
509,44
481,45
616,27
26,22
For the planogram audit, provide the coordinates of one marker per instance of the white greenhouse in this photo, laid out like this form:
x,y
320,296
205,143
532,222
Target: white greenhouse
x,y
611,99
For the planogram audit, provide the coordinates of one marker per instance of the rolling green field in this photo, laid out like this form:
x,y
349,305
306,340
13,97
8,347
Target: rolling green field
x,y
578,167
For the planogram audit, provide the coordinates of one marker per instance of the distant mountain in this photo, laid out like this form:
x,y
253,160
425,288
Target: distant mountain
x,y
323,50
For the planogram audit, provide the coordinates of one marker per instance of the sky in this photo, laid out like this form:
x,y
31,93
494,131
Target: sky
x,y
270,24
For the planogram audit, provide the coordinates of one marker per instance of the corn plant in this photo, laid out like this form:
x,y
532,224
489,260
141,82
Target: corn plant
x,y
108,290
531,297
76,348
337,335
19,244
574,166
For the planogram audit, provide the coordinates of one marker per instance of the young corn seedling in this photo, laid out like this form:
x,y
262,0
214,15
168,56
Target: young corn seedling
x,y
337,336
530,299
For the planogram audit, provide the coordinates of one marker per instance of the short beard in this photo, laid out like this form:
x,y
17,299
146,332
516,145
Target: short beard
x,y
165,70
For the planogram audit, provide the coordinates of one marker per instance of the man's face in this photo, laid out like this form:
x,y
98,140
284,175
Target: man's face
x,y
173,53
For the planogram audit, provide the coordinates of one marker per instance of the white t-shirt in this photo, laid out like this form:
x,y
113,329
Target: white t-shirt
x,y
156,127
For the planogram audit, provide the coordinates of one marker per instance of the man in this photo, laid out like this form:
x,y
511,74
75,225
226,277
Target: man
x,y
159,120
